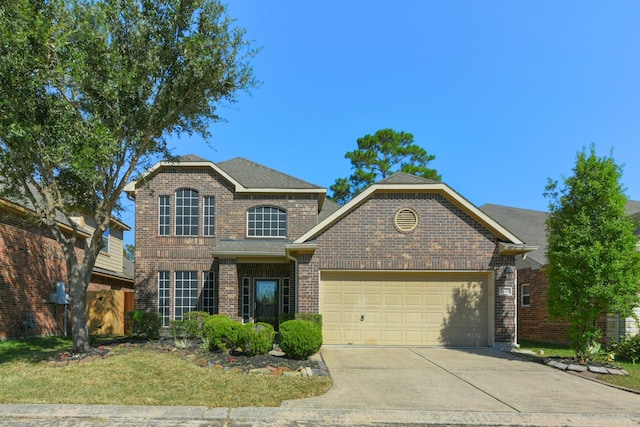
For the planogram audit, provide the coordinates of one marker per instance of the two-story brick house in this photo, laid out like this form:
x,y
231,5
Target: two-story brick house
x,y
407,262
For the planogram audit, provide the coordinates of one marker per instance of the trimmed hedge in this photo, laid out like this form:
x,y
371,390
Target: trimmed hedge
x,y
299,338
257,338
147,324
191,325
223,332
312,317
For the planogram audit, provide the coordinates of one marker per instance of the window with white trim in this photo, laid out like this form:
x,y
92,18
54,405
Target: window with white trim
x,y
209,292
525,295
186,293
287,303
164,285
187,212
267,221
209,216
164,215
246,300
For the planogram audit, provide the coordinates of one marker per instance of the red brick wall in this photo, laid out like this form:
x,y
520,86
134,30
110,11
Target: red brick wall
x,y
446,238
534,322
31,262
174,253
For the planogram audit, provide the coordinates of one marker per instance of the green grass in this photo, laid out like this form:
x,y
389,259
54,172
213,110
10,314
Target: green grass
x,y
137,376
632,381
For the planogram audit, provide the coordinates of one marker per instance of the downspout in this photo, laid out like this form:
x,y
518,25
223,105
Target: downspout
x,y
517,303
295,263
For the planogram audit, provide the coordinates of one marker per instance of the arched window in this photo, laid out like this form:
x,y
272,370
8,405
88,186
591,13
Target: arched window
x,y
186,212
267,221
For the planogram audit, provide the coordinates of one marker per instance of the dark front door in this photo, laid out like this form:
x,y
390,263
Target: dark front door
x,y
266,308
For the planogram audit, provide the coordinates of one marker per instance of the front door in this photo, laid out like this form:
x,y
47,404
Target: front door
x,y
266,308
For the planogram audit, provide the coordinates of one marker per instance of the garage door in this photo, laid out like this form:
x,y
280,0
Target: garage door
x,y
438,309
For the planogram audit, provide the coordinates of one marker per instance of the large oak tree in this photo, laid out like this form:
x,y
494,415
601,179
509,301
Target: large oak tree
x,y
89,92
594,264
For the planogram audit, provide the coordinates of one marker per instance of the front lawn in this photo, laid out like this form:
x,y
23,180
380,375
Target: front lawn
x,y
138,376
542,350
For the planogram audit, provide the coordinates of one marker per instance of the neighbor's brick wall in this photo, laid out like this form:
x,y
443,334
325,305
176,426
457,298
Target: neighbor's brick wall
x,y
31,262
534,322
446,238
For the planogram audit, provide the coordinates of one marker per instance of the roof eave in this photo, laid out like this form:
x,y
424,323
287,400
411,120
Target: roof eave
x,y
507,248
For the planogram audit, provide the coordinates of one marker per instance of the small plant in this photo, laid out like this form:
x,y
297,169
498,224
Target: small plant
x,y
257,338
299,339
180,343
205,344
628,349
312,317
147,324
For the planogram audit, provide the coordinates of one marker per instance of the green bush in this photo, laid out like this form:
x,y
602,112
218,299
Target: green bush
x,y
628,349
312,317
257,338
193,322
222,332
299,338
147,324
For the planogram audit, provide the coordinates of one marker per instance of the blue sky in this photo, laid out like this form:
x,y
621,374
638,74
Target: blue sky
x,y
503,93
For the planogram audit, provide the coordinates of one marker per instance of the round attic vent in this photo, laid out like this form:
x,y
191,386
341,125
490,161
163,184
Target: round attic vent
x,y
406,220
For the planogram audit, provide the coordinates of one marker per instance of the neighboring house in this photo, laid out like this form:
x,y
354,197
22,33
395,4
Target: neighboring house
x,y
534,322
407,262
32,263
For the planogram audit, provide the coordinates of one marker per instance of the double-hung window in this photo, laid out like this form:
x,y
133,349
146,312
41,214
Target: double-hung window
x,y
525,295
267,221
163,296
186,293
209,216
164,215
187,212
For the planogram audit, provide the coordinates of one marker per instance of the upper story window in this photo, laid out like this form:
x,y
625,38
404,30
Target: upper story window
x,y
164,216
186,212
209,215
266,221
105,241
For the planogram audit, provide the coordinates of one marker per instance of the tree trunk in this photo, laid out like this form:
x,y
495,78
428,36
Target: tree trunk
x,y
79,329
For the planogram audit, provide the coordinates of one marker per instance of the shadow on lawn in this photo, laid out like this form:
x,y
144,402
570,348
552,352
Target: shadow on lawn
x,y
34,349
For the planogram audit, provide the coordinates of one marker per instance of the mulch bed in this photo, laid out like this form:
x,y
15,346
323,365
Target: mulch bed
x,y
225,361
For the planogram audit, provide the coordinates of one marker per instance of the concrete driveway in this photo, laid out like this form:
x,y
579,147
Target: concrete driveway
x,y
474,380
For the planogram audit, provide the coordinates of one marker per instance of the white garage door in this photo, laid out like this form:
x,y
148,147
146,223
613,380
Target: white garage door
x,y
438,309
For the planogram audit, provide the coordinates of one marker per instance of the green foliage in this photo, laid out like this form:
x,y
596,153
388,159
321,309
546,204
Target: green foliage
x,y
257,338
193,323
222,332
90,91
593,267
312,317
147,324
379,156
628,349
300,339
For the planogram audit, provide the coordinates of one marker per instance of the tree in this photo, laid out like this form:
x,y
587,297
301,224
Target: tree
x,y
594,266
379,156
90,90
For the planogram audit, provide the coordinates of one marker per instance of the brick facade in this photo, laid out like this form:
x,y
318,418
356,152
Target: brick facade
x,y
448,238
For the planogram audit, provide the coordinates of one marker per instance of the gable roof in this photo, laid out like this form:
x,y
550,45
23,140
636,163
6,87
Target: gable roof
x,y
405,182
254,175
244,175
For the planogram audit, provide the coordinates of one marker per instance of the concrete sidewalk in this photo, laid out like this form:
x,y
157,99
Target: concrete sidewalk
x,y
98,415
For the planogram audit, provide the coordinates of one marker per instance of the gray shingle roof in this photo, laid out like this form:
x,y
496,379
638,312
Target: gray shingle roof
x,y
251,247
530,225
406,178
328,207
255,175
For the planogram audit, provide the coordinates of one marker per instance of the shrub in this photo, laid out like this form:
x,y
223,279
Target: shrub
x,y
222,332
312,317
147,324
193,322
257,338
299,338
628,349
